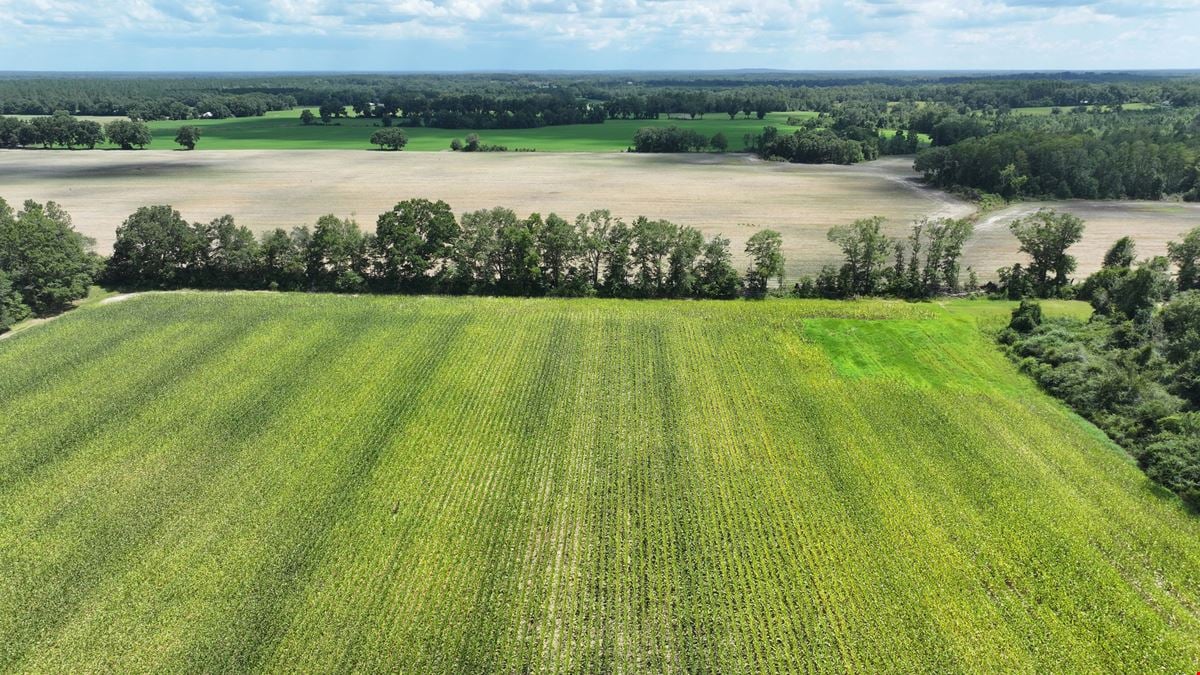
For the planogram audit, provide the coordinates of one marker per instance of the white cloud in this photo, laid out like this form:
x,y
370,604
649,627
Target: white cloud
x,y
604,33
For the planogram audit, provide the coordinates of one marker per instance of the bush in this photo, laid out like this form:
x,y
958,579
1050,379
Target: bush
x,y
392,139
1026,317
668,139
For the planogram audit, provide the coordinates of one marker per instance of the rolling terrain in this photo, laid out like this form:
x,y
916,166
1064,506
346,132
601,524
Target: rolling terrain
x,y
254,481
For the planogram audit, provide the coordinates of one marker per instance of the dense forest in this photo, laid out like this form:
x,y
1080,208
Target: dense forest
x,y
1134,368
1143,154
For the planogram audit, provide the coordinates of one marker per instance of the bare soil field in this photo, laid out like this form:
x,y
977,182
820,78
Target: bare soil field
x,y
1151,224
728,194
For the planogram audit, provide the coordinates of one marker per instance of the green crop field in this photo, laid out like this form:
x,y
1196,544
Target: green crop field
x,y
253,481
282,130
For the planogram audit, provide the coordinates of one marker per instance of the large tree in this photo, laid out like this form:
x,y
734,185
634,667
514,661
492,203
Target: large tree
x,y
1180,322
415,240
716,276
593,230
618,250
558,242
865,250
228,254
280,261
476,251
44,258
1186,256
652,241
87,133
128,133
188,136
520,263
392,139
155,247
336,255
12,309
765,249
1045,236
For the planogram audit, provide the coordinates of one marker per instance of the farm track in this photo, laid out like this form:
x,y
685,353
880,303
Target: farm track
x,y
265,482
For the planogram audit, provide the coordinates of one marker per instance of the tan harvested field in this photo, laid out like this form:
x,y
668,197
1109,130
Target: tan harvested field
x,y
267,189
1151,224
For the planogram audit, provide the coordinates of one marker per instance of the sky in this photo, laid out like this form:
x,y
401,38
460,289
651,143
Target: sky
x,y
431,35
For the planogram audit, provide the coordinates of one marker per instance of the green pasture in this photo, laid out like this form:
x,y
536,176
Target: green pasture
x,y
282,130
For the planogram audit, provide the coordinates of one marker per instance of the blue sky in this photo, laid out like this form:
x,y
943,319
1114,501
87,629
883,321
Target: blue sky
x,y
401,35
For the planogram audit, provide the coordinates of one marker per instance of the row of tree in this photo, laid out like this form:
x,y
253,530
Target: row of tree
x,y
926,264
809,145
420,246
474,110
64,130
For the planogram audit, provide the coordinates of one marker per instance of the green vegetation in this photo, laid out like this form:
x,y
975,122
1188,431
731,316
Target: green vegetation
x,y
923,265
1141,154
420,246
283,130
45,264
247,481
188,136
1134,368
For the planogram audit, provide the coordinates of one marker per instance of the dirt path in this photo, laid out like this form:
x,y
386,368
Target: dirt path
x,y
29,324
1151,224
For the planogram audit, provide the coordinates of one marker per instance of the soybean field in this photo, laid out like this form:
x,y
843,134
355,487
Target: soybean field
x,y
285,482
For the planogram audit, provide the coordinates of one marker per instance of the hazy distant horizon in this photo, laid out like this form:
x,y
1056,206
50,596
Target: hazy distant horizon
x,y
841,72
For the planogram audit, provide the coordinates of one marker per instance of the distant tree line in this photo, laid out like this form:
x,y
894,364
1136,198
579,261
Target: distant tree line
x,y
1134,368
677,139
474,110
66,131
62,130
807,145
142,97
490,100
624,95
420,246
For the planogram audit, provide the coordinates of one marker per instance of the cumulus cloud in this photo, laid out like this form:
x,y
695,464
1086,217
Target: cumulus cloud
x,y
596,33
